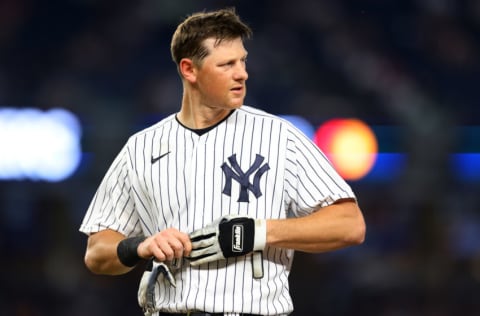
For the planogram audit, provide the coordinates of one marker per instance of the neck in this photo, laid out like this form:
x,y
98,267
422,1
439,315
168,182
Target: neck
x,y
195,115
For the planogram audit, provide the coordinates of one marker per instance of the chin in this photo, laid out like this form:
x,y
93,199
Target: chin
x,y
237,104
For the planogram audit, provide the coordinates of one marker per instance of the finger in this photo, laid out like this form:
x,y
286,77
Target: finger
x,y
195,254
203,243
163,249
159,255
186,245
177,247
179,242
144,249
173,243
196,261
202,233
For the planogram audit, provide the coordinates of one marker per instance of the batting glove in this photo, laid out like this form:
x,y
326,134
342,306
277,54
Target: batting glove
x,y
228,236
146,290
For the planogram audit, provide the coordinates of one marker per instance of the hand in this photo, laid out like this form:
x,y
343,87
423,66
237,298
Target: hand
x,y
228,236
165,245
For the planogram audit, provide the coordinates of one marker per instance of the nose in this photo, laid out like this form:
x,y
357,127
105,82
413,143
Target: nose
x,y
241,72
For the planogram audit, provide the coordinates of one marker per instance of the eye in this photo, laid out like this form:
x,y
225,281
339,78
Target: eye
x,y
228,64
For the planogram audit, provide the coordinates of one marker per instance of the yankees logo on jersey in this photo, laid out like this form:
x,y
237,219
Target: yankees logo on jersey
x,y
235,172
248,164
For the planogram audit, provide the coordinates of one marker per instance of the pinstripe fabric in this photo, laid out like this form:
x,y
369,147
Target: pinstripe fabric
x,y
184,188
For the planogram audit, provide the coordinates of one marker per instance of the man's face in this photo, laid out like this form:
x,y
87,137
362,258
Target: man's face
x,y
222,75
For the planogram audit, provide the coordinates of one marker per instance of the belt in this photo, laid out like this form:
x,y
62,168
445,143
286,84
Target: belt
x,y
200,314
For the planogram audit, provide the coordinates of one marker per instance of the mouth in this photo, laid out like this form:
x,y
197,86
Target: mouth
x,y
238,89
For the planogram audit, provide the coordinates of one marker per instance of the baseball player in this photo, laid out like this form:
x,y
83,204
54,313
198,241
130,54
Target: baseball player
x,y
219,195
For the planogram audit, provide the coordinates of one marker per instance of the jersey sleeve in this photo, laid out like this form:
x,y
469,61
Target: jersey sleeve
x,y
112,206
311,180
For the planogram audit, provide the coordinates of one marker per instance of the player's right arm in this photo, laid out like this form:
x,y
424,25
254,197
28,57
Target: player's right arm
x,y
101,256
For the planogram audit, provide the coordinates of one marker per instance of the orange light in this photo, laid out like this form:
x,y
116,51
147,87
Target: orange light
x,y
350,144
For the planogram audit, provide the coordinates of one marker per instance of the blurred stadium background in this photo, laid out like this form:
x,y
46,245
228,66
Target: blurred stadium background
x,y
409,69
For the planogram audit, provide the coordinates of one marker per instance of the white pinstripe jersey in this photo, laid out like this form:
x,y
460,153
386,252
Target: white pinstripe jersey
x,y
140,195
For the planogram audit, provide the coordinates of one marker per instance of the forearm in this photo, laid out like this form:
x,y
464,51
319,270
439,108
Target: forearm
x,y
333,227
101,255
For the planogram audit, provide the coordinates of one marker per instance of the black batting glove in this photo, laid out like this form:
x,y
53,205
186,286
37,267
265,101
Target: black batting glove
x,y
228,236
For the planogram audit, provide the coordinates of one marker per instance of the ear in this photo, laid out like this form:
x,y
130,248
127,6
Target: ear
x,y
188,70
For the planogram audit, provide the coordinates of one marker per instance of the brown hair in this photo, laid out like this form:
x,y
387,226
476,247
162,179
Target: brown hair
x,y
187,41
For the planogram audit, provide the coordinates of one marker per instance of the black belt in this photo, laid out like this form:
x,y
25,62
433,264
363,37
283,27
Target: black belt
x,y
200,314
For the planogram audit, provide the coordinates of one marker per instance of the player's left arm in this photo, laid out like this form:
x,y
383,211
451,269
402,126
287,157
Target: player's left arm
x,y
332,227
329,228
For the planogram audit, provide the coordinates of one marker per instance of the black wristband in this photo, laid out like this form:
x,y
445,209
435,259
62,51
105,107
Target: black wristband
x,y
127,251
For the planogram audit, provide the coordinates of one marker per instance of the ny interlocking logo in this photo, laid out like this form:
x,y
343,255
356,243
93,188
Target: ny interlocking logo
x,y
235,172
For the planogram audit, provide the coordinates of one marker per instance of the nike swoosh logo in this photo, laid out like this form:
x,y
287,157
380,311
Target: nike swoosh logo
x,y
155,159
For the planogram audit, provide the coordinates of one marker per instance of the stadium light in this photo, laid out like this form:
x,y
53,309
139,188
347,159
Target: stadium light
x,y
39,145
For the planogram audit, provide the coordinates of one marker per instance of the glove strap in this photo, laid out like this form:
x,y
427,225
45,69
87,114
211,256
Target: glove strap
x,y
257,264
260,239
